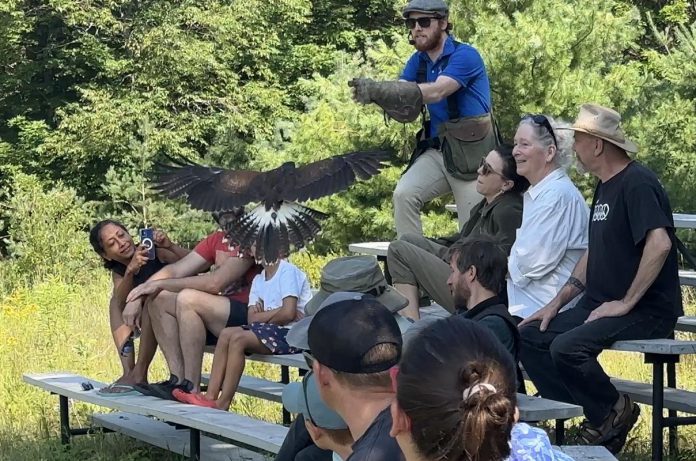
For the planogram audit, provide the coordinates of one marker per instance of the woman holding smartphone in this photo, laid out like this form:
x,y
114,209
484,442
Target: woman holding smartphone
x,y
130,265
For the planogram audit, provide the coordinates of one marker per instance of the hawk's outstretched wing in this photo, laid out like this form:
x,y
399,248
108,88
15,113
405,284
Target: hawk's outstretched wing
x,y
207,188
334,174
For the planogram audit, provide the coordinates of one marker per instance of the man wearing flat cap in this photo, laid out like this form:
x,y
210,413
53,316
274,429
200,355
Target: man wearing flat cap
x,y
628,277
450,79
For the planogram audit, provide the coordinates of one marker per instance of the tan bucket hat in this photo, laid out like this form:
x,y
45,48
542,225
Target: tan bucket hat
x,y
359,274
603,123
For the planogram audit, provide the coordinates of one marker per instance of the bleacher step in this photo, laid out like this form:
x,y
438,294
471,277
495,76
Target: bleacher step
x,y
587,453
167,437
675,399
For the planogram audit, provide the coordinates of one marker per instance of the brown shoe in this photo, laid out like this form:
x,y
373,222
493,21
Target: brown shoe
x,y
618,423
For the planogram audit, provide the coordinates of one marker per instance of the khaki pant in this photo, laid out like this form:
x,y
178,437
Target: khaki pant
x,y
415,260
426,179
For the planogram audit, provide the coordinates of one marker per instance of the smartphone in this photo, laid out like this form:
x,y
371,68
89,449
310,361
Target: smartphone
x,y
146,239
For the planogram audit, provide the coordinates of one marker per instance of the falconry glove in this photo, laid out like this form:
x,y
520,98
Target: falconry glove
x,y
402,101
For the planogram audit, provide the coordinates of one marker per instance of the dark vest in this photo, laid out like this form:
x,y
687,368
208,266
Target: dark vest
x,y
501,311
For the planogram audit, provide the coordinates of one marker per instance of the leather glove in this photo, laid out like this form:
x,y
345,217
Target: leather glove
x,y
402,101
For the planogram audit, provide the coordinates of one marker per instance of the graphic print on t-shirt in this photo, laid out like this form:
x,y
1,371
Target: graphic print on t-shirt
x,y
601,212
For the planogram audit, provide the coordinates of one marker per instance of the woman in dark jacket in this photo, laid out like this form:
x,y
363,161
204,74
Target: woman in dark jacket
x,y
416,262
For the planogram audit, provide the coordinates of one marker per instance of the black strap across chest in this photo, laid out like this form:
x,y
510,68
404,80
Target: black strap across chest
x,y
422,77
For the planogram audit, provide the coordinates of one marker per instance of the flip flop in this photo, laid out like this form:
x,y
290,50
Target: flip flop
x,y
117,390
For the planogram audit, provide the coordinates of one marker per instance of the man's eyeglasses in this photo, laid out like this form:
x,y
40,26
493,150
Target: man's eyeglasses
x,y
305,380
309,359
486,169
541,120
423,22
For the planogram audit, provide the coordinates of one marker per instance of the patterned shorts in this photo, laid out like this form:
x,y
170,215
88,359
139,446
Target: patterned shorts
x,y
273,337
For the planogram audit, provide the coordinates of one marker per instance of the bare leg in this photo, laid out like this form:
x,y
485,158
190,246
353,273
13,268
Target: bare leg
x,y
120,332
410,292
241,341
217,375
162,310
196,311
147,349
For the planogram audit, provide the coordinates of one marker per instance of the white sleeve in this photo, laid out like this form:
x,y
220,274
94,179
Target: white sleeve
x,y
255,291
290,281
542,243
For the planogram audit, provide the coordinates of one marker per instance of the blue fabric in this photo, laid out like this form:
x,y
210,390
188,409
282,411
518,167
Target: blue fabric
x,y
467,68
529,443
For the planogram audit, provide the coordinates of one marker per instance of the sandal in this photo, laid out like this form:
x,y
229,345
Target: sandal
x,y
193,399
118,390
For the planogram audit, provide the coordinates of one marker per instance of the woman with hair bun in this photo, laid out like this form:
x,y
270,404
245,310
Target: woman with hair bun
x,y
456,400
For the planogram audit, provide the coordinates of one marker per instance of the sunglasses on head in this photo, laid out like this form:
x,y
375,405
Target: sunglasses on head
x,y
423,22
486,169
541,120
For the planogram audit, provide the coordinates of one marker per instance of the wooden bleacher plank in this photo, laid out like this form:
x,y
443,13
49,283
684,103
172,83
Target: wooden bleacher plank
x,y
656,346
587,453
378,249
167,437
244,430
675,399
534,409
256,387
687,278
686,323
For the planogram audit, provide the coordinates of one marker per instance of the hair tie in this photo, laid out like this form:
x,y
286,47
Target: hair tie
x,y
475,389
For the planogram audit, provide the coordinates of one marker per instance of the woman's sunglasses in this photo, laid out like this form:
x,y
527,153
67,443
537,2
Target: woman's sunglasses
x,y
541,120
486,169
423,22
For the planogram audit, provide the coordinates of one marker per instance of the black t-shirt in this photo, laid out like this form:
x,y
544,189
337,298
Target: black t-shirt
x,y
376,444
145,272
624,209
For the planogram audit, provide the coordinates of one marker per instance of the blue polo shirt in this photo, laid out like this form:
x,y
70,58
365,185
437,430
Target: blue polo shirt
x,y
467,68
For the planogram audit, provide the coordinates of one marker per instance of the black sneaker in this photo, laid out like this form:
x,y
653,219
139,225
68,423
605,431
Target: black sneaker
x,y
154,390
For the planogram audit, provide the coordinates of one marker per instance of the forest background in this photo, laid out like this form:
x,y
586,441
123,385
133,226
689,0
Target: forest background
x,y
92,93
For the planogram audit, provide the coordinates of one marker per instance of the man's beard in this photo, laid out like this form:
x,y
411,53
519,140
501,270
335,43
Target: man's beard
x,y
460,296
430,43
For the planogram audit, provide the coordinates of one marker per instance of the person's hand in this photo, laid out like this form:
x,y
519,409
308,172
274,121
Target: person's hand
x,y
609,309
131,314
362,89
144,289
161,239
299,315
138,260
545,314
256,308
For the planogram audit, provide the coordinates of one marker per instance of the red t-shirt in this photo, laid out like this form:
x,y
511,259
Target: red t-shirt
x,y
215,249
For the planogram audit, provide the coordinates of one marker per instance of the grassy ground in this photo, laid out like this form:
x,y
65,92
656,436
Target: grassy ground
x,y
57,327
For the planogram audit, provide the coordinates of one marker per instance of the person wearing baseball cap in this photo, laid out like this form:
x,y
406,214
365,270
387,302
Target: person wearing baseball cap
x,y
628,277
326,427
351,343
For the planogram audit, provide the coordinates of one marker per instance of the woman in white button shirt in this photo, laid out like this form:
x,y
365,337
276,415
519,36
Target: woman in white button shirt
x,y
553,234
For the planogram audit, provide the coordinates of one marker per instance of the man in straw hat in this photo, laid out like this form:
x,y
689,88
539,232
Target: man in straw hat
x,y
629,278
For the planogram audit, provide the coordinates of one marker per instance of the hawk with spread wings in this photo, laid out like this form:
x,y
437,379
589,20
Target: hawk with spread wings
x,y
278,221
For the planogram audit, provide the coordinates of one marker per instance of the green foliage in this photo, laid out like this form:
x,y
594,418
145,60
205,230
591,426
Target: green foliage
x,y
46,231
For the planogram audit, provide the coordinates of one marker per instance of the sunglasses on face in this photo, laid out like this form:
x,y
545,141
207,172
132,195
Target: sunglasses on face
x,y
305,381
486,169
541,120
423,22
309,359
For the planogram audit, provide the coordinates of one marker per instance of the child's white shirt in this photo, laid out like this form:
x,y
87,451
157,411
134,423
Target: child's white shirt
x,y
288,280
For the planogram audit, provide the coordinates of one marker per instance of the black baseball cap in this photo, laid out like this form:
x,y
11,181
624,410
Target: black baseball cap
x,y
342,333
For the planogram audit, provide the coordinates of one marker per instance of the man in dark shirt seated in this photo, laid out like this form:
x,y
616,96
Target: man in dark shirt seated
x,y
478,266
354,342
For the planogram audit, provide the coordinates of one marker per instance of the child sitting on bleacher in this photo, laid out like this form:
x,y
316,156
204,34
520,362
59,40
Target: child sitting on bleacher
x,y
326,427
277,298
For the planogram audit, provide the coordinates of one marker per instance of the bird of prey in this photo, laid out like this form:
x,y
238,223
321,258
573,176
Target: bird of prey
x,y
278,221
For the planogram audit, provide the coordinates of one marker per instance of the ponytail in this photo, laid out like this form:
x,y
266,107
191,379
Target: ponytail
x,y
457,385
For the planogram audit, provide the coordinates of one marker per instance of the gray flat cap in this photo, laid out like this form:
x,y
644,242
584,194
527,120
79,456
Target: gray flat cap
x,y
426,6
